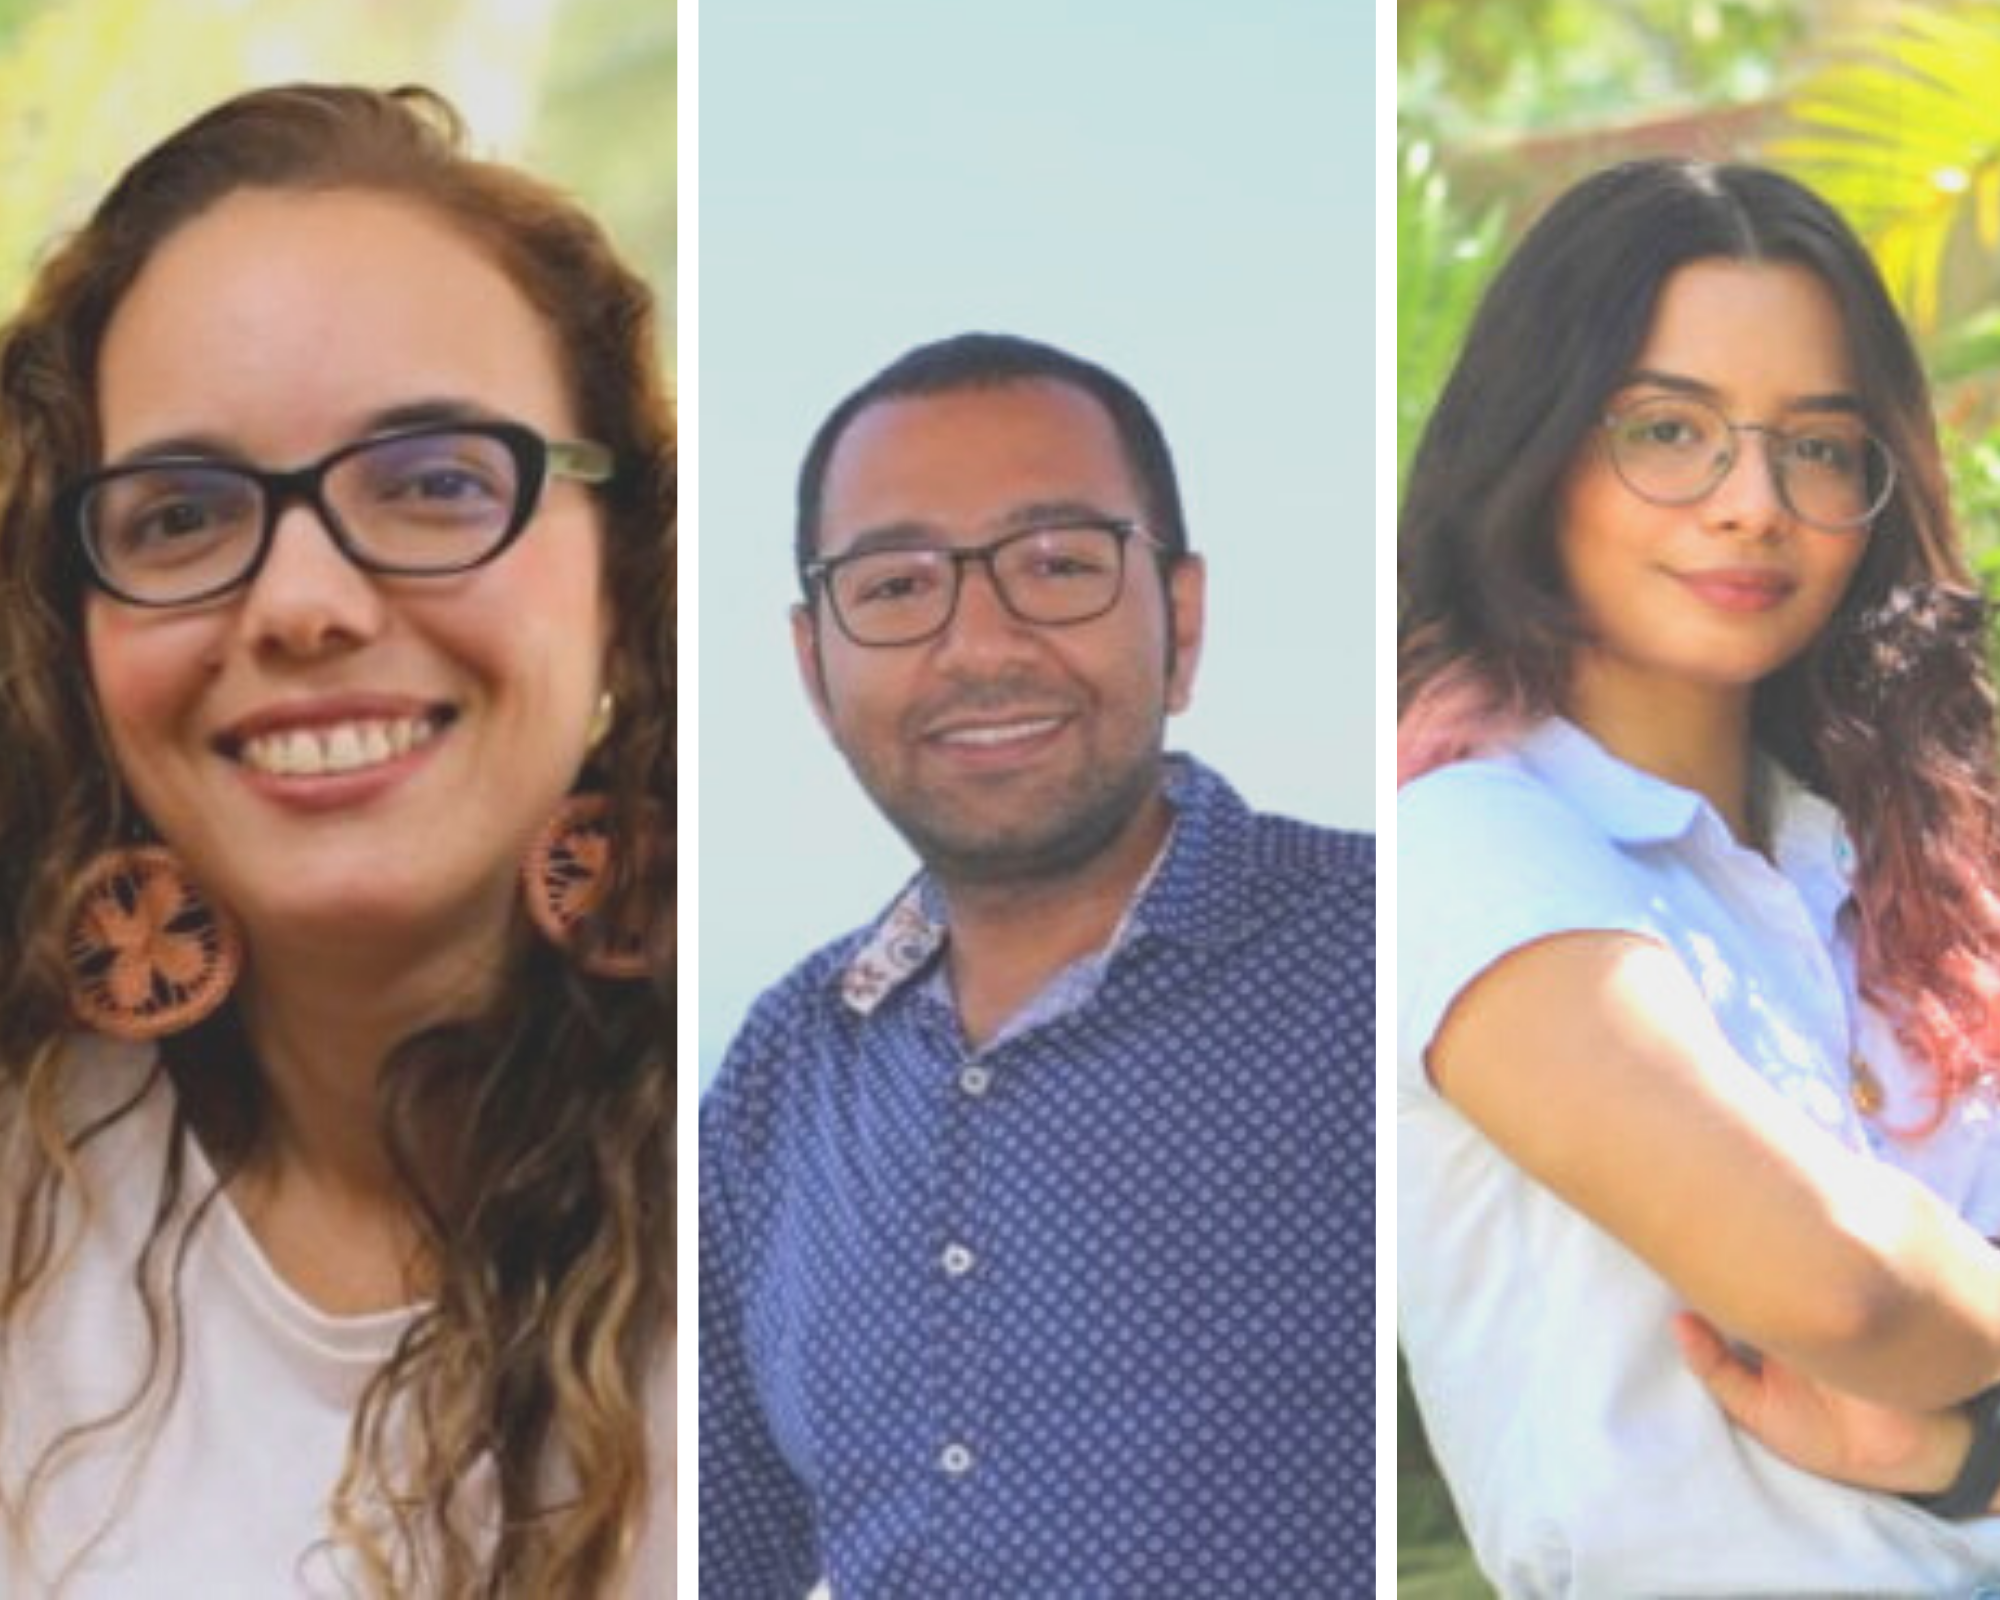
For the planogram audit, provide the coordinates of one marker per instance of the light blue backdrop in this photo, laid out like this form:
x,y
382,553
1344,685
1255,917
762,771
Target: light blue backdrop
x,y
1181,191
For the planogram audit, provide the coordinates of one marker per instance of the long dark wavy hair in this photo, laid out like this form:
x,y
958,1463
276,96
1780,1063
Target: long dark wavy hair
x,y
548,1219
1889,713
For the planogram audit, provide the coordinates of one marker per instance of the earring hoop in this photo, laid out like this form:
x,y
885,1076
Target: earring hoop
x,y
148,955
564,880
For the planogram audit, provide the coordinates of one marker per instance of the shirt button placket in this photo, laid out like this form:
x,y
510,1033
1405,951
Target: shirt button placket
x,y
1774,907
957,1284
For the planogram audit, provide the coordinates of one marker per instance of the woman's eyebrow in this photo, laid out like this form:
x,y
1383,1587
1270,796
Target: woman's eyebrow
x,y
204,446
1652,378
215,447
441,409
1838,400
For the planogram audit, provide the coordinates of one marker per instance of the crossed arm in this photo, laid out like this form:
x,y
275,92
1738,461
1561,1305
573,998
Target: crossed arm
x,y
1822,1429
1593,1062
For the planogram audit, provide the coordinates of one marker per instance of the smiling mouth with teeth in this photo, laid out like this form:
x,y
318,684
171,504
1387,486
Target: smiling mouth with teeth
x,y
1000,732
337,748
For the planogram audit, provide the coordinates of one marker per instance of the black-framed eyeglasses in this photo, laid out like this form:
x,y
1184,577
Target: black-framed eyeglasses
x,y
1675,450
1052,575
419,502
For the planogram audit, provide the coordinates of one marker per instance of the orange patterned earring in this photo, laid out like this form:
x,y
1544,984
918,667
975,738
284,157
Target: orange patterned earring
x,y
147,954
565,877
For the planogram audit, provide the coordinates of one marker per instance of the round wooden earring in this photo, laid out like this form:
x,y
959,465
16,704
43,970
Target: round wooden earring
x,y
147,955
565,877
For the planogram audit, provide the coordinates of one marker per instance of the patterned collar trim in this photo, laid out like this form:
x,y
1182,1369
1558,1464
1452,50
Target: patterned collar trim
x,y
913,930
902,943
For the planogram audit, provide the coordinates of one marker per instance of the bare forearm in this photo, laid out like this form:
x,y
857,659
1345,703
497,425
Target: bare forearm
x,y
1592,1061
1900,1302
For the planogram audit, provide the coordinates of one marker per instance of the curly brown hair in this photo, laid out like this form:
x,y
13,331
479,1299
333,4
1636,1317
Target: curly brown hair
x,y
549,1220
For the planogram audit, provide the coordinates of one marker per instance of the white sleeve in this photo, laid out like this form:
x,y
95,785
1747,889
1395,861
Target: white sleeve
x,y
1488,860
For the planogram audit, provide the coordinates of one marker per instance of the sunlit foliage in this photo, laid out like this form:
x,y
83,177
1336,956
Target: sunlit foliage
x,y
583,90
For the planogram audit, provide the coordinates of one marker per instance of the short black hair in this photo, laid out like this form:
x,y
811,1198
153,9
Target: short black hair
x,y
991,361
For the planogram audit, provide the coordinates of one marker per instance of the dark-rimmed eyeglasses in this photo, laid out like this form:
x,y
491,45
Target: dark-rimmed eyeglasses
x,y
420,502
1053,575
1675,450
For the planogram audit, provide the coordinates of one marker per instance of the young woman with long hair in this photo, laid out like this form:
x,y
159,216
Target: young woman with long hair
x,y
337,488
1699,943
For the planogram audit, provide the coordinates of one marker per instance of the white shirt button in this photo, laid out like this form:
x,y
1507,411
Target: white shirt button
x,y
975,1080
955,1460
957,1260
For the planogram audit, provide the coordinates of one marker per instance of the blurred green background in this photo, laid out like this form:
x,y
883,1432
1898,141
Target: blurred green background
x,y
580,91
1890,108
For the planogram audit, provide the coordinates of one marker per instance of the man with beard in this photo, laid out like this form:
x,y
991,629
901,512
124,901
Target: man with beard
x,y
1036,1218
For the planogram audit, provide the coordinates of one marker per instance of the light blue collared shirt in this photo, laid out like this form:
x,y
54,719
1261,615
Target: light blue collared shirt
x,y
1584,1458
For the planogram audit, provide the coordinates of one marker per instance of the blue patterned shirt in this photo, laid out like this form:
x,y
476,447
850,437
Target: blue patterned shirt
x,y
1086,1311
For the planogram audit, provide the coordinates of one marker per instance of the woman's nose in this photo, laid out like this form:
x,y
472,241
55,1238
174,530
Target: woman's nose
x,y
1747,495
308,596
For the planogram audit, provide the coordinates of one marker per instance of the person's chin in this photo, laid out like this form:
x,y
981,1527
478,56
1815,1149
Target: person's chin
x,y
357,881
1018,845
1743,660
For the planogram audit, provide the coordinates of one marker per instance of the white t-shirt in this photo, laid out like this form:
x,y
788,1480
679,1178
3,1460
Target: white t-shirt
x,y
1584,1459
221,1493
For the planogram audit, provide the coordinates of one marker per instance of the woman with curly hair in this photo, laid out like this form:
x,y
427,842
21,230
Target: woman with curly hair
x,y
337,488
1699,942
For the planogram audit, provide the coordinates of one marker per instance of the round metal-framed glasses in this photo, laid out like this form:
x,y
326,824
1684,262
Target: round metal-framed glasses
x,y
1674,450
419,502
1053,575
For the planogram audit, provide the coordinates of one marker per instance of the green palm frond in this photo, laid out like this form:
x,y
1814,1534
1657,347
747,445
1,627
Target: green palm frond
x,y
1902,133
1968,351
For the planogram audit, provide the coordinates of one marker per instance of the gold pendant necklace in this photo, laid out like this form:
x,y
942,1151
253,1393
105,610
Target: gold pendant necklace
x,y
1864,1088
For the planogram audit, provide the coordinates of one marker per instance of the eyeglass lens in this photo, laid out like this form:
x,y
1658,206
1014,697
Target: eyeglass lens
x,y
1045,575
1832,472
431,502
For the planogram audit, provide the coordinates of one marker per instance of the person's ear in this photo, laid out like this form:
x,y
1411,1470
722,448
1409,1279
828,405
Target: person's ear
x,y
1187,598
812,670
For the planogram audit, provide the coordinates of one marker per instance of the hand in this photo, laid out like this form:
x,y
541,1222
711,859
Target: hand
x,y
1823,1430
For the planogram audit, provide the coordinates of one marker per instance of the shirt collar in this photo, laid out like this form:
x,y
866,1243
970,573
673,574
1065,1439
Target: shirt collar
x,y
1808,839
1626,804
1809,844
1197,893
